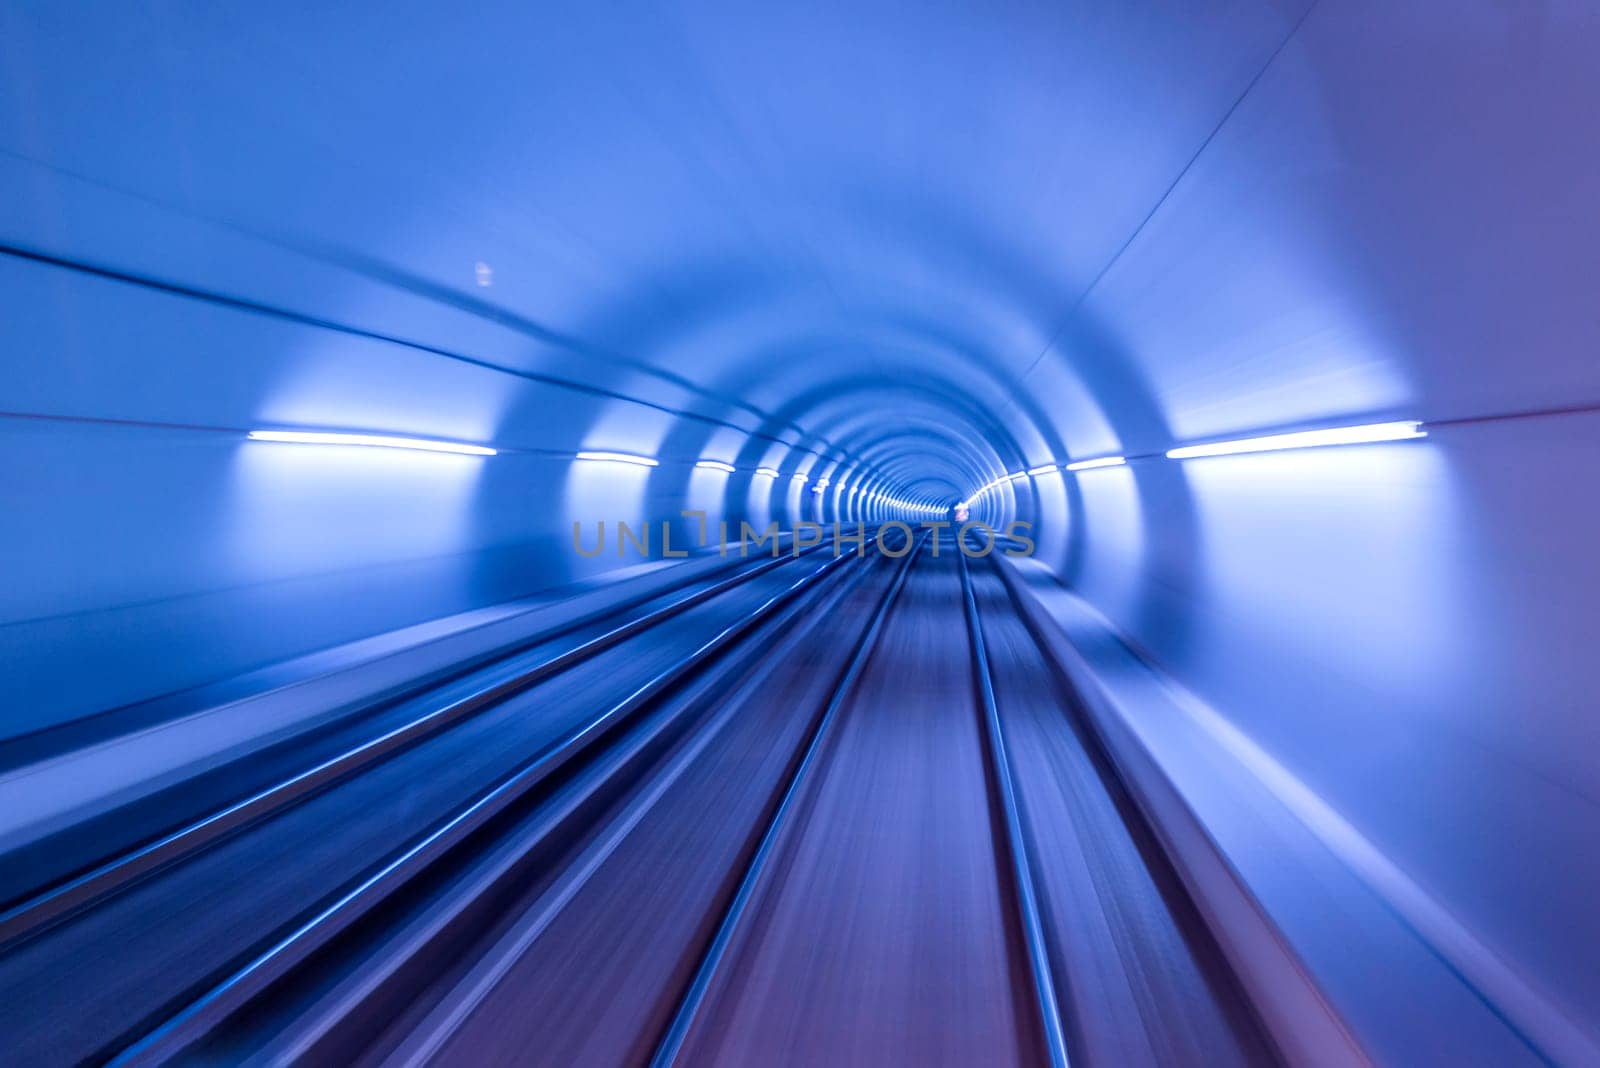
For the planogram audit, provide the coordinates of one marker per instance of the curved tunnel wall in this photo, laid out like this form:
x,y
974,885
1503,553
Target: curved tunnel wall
x,y
1101,238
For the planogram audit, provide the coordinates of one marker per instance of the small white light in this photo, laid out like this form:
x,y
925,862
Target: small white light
x,y
1104,461
766,472
800,476
1042,469
620,458
1019,474
1305,439
381,441
715,465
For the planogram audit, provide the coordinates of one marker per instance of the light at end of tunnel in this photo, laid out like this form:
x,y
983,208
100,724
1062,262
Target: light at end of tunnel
x,y
1306,439
382,441
1042,469
620,458
766,472
1104,461
714,465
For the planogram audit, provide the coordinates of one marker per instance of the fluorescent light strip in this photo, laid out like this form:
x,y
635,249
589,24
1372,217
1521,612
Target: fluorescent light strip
x,y
620,458
1090,465
766,472
1042,469
382,441
715,465
800,477
1305,439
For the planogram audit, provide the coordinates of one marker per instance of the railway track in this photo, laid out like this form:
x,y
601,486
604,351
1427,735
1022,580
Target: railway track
x,y
815,811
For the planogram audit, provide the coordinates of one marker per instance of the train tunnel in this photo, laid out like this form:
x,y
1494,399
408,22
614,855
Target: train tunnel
x,y
800,534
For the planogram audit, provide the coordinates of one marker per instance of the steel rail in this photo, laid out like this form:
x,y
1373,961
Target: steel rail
x,y
448,1017
1027,900
677,1032
488,868
1146,816
64,900
191,1023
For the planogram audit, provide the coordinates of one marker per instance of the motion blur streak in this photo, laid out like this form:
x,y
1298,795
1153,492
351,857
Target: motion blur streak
x,y
1264,732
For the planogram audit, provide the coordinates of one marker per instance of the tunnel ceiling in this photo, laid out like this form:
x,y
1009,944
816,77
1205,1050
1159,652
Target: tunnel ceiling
x,y
951,241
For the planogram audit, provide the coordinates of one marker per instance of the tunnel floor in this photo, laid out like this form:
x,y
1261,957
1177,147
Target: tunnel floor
x,y
814,810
